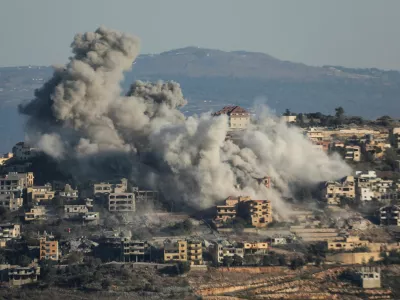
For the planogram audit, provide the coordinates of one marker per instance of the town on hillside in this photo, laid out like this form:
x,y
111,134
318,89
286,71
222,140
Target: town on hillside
x,y
114,235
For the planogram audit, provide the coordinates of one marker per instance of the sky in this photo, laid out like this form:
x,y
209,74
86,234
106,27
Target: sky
x,y
356,33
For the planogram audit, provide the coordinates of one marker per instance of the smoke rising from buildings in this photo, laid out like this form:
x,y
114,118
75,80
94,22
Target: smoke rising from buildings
x,y
80,114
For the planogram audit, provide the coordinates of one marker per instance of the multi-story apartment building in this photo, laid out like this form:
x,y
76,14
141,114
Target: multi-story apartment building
x,y
175,250
258,213
353,153
333,191
49,248
195,251
135,250
238,117
11,201
121,202
289,119
40,194
36,213
224,214
107,188
15,182
22,151
390,215
220,249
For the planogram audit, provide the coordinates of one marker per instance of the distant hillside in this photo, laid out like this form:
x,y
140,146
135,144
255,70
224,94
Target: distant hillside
x,y
212,78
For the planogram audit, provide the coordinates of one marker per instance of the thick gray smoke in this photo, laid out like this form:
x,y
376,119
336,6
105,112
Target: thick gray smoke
x,y
80,114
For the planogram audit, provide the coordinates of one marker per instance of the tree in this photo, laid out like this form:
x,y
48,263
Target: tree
x,y
287,112
24,260
187,226
183,267
339,112
227,261
237,260
296,263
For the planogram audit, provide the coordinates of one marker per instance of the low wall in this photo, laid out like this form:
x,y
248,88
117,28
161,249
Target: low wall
x,y
354,258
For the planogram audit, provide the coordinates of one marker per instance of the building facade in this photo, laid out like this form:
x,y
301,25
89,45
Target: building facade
x,y
258,213
49,248
36,213
238,117
121,202
175,250
333,191
390,215
23,151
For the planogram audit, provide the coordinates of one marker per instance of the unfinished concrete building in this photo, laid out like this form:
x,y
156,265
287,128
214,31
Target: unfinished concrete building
x,y
36,213
221,249
390,215
107,188
175,250
121,202
18,276
258,213
333,191
369,277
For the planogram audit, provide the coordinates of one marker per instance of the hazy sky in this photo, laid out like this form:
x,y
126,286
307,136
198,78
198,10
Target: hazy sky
x,y
356,33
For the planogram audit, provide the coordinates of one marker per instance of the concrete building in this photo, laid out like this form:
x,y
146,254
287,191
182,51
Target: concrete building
x,y
135,250
107,188
143,197
49,248
36,213
315,134
220,249
175,250
195,251
12,201
258,213
40,194
91,217
71,211
289,119
334,190
365,194
390,215
15,182
23,151
121,202
254,247
395,137
9,232
351,243
369,277
18,276
225,213
5,157
353,153
238,117
68,194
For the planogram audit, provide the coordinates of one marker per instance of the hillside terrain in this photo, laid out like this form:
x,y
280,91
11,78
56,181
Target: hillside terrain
x,y
213,78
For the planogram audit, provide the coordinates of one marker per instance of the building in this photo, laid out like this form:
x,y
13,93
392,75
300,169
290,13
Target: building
x,y
36,213
353,153
121,202
49,248
238,117
258,213
90,217
40,194
175,250
225,213
195,251
334,190
73,211
68,194
315,134
395,137
135,250
18,276
22,151
289,119
9,232
11,201
143,197
390,215
365,194
15,182
349,244
107,188
221,249
369,277
5,157
254,247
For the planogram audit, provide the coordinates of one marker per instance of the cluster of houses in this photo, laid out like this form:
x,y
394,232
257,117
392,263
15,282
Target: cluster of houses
x,y
363,187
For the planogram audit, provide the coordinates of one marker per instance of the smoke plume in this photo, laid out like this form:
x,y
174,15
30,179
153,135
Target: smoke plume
x,y
80,114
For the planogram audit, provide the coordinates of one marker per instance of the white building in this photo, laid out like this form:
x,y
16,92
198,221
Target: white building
x,y
365,194
238,117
